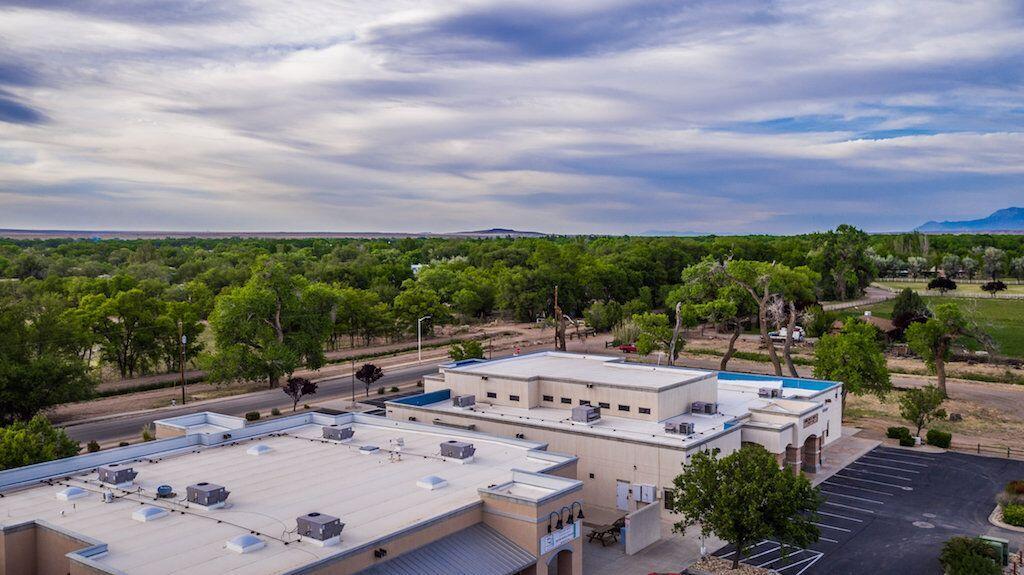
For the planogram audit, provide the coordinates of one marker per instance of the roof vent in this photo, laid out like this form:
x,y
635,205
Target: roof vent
x,y
259,449
115,474
680,427
368,449
464,401
322,529
148,513
335,433
769,392
246,543
458,450
207,494
431,483
697,407
70,493
586,413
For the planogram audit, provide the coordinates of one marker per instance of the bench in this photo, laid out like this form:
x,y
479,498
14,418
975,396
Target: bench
x,y
607,534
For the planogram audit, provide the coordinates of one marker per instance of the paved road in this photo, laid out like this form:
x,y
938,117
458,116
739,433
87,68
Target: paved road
x,y
332,388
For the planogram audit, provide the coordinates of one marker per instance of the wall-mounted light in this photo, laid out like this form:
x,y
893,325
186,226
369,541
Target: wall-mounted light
x,y
579,515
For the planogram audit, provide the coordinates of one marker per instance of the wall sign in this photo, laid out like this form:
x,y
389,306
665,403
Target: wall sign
x,y
556,539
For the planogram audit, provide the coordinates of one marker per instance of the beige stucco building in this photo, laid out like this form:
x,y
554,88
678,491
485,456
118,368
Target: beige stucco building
x,y
650,420
306,494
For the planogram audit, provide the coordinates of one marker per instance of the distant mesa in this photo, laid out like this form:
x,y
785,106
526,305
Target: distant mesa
x,y
671,233
1006,220
500,233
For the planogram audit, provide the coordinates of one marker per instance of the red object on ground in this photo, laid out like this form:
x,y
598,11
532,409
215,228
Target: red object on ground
x,y
629,348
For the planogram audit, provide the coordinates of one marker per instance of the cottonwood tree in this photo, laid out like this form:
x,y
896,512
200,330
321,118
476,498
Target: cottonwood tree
x,y
128,329
916,265
717,300
854,357
943,284
921,405
933,340
845,263
296,388
993,259
744,498
29,442
469,349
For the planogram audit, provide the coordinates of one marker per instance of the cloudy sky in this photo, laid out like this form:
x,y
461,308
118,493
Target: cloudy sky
x,y
606,116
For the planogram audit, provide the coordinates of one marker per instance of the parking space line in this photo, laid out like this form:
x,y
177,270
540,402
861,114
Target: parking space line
x,y
880,474
827,526
903,487
857,488
834,504
781,557
874,457
897,453
754,546
900,469
827,514
854,497
749,557
808,566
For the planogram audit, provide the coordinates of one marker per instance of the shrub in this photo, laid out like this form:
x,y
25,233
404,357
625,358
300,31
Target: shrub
x,y
907,441
419,383
275,411
306,406
969,556
1015,487
123,444
380,391
1014,514
252,416
93,446
147,434
939,438
897,432
394,389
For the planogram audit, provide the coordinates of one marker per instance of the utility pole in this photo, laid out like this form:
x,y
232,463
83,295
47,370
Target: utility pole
x,y
183,339
353,381
559,325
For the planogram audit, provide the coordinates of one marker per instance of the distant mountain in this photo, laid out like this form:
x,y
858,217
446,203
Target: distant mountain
x,y
1004,220
500,233
670,233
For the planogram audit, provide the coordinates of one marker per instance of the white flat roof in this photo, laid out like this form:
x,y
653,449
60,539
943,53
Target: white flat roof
x,y
374,495
585,368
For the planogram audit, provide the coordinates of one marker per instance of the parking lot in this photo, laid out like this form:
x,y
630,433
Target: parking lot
x,y
889,511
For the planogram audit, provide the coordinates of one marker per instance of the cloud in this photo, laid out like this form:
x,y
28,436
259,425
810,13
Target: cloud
x,y
607,116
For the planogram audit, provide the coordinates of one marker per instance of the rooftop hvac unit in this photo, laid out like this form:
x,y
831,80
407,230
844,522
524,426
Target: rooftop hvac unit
x,y
769,392
464,401
711,408
586,413
207,494
697,407
320,527
338,433
457,450
680,427
115,474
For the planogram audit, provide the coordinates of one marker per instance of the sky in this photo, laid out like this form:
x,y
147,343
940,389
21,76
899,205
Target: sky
x,y
597,116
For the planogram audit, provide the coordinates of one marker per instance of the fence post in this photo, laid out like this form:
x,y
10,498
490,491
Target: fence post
x,y
979,448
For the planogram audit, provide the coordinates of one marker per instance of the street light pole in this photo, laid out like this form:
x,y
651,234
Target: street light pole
x,y
419,338
183,339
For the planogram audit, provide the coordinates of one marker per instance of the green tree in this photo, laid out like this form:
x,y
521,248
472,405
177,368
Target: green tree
x,y
969,556
267,328
921,405
603,316
469,349
943,284
993,260
26,443
296,388
369,374
657,334
854,357
417,301
933,340
128,329
844,263
718,301
908,308
179,319
745,497
993,287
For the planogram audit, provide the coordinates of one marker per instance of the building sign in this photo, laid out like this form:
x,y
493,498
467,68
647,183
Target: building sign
x,y
811,420
556,539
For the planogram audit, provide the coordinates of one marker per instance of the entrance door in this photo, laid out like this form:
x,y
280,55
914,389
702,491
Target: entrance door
x,y
621,495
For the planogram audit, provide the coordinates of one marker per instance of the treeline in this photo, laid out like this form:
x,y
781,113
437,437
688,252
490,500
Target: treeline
x,y
259,308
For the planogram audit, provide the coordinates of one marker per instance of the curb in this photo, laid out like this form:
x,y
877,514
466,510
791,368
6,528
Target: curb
x,y
996,518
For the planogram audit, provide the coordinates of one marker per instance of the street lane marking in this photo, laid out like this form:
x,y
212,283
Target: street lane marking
x,y
881,474
827,514
854,497
858,462
903,487
827,526
849,507
886,493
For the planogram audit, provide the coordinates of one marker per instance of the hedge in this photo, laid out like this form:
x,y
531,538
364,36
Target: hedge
x,y
252,416
1014,515
907,441
939,438
897,432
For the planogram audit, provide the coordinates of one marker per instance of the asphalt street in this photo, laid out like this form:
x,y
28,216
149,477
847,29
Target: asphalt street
x,y
130,426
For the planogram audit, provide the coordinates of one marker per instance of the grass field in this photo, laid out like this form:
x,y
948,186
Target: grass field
x,y
1003,319
961,287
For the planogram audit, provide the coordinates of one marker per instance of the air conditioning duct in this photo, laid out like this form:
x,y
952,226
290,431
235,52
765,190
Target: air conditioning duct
x,y
322,529
458,450
207,494
335,433
711,408
115,474
697,407
464,401
586,413
769,392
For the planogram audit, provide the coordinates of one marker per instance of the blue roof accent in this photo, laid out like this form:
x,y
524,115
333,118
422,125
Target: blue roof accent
x,y
791,382
426,398
465,362
729,424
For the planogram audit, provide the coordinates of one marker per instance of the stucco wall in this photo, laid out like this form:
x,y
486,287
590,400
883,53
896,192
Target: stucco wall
x,y
643,528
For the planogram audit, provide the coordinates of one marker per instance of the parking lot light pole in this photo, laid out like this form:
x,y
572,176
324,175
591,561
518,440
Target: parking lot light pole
x,y
419,338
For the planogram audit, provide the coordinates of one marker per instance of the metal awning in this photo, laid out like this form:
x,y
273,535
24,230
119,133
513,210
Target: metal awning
x,y
476,550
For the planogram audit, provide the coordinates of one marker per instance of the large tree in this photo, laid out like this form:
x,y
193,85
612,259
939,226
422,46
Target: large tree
x,y
717,300
854,357
745,497
269,327
29,442
844,263
933,340
128,329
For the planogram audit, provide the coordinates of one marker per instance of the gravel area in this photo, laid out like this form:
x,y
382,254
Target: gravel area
x,y
719,566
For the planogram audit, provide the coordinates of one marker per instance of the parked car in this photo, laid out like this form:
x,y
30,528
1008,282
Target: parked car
x,y
627,348
798,334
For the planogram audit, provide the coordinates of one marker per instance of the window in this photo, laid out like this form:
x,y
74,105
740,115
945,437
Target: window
x,y
513,398
670,497
591,475
644,410
566,400
623,408
492,395
549,398
604,405
584,402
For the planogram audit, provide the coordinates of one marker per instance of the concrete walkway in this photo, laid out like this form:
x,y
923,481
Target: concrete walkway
x,y
841,453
